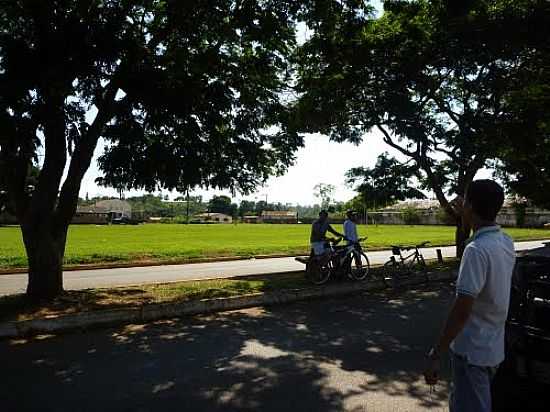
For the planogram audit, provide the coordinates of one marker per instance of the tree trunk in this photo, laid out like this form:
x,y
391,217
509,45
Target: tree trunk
x,y
461,235
45,246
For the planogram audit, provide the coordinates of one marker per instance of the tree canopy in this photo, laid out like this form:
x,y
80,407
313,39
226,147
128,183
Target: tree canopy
x,y
525,165
325,193
183,94
384,184
222,204
433,78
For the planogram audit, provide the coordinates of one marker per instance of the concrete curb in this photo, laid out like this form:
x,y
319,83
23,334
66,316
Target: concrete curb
x,y
152,312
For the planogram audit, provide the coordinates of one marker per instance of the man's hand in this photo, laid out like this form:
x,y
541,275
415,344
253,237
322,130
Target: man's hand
x,y
431,373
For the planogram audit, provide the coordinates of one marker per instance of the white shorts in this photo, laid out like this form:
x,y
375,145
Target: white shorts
x,y
319,248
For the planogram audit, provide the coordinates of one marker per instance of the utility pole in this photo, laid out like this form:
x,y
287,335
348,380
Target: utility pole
x,y
187,214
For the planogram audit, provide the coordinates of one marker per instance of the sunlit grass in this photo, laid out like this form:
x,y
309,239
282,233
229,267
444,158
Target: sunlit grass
x,y
177,242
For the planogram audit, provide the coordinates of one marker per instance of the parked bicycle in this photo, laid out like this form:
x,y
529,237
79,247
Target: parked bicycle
x,y
401,266
338,261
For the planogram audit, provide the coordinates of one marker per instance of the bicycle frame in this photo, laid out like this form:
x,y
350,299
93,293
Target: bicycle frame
x,y
338,261
409,259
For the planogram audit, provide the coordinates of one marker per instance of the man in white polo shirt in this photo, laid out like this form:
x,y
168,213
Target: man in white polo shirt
x,y
474,330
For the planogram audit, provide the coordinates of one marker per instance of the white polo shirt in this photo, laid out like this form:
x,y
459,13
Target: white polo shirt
x,y
486,275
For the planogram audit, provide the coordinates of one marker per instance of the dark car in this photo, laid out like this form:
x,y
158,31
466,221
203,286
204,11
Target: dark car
x,y
124,220
528,325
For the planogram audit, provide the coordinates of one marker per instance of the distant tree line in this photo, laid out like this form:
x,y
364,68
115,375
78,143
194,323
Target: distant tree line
x,y
160,206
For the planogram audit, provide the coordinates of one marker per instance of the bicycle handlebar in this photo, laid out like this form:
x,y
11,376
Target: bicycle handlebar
x,y
409,247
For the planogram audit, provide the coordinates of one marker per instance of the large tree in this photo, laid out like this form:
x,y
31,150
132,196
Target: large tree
x,y
525,164
185,94
246,207
222,204
432,77
387,182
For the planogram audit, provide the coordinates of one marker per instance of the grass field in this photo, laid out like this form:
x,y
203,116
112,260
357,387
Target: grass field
x,y
176,242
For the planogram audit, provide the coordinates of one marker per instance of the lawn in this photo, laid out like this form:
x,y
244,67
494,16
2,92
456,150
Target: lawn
x,y
177,242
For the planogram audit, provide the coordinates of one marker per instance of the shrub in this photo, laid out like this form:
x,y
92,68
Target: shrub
x,y
411,216
520,209
444,218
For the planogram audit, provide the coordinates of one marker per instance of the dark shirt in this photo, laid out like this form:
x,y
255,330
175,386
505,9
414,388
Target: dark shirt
x,y
319,230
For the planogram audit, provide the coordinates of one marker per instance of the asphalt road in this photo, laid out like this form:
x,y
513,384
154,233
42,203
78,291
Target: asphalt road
x,y
358,353
84,279
353,354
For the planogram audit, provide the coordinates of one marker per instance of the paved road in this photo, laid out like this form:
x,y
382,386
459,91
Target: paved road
x,y
353,354
83,279
360,353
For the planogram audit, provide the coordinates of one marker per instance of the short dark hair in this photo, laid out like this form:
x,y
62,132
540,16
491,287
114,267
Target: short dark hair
x,y
486,197
323,212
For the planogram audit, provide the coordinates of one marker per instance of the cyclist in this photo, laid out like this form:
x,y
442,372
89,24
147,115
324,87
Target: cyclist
x,y
319,229
350,234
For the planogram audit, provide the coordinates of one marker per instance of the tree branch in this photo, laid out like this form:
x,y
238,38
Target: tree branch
x,y
437,187
477,163
15,160
45,194
388,140
83,153
422,162
452,155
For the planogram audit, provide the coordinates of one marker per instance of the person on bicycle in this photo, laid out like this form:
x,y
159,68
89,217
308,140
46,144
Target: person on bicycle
x,y
319,229
350,234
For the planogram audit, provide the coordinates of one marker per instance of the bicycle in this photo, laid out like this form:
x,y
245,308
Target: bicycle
x,y
337,261
399,266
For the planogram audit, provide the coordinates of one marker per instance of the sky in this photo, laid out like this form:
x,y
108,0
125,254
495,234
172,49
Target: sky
x,y
319,161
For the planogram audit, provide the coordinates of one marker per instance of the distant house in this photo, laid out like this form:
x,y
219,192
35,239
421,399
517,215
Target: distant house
x,y
252,219
279,216
213,218
103,212
87,215
418,204
116,208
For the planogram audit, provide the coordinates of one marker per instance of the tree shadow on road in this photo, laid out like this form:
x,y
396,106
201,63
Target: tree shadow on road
x,y
355,353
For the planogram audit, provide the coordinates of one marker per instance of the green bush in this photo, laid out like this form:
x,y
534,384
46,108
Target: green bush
x,y
411,216
520,209
443,217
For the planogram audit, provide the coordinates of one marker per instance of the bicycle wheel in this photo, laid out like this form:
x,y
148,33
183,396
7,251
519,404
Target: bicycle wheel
x,y
318,272
419,268
389,273
362,271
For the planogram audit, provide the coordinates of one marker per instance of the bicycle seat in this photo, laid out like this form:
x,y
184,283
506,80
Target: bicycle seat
x,y
423,244
396,250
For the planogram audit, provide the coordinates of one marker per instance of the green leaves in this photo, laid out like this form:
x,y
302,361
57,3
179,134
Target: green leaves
x,y
386,183
206,101
185,92
434,77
